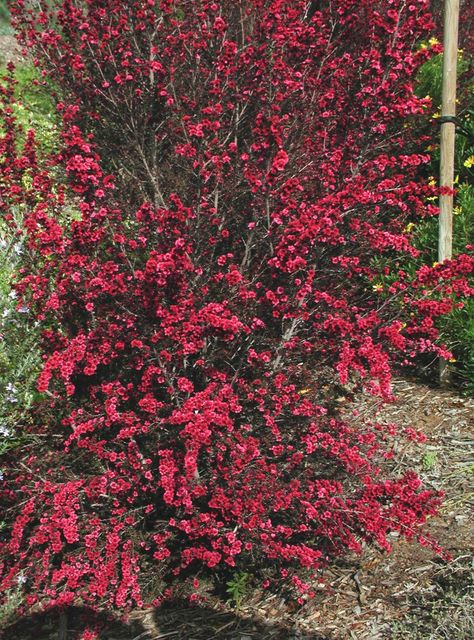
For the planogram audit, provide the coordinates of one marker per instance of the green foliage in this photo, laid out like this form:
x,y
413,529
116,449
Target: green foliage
x,y
425,232
8,609
429,460
5,27
430,76
34,107
19,359
457,329
237,588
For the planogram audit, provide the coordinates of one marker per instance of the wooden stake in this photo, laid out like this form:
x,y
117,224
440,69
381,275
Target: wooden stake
x,y
448,131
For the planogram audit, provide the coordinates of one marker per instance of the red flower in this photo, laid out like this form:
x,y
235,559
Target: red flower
x,y
280,161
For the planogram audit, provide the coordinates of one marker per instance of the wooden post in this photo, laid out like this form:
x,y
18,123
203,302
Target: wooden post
x,y
448,131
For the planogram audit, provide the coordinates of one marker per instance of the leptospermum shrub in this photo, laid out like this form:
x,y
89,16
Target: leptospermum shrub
x,y
230,171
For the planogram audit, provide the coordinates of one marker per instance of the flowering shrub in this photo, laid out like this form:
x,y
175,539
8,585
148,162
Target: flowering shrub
x,y
229,172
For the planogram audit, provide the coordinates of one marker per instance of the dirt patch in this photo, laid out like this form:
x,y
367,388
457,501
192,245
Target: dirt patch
x,y
10,51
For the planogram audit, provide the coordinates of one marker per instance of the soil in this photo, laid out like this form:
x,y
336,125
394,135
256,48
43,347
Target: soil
x,y
410,593
9,50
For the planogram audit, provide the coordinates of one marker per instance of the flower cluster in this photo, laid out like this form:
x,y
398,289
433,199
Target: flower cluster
x,y
235,167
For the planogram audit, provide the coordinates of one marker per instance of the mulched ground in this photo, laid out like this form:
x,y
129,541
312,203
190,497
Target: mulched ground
x,y
409,594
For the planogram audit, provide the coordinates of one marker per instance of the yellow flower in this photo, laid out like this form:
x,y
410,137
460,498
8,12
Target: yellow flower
x,y
433,41
304,392
452,359
409,227
431,181
435,264
469,162
457,211
377,287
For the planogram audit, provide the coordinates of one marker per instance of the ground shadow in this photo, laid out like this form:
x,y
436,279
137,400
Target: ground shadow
x,y
176,621
68,624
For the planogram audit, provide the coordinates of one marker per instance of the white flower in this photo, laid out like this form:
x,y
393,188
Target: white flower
x,y
11,397
4,431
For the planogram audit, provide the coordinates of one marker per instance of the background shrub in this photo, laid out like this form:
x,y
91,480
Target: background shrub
x,y
457,328
5,27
